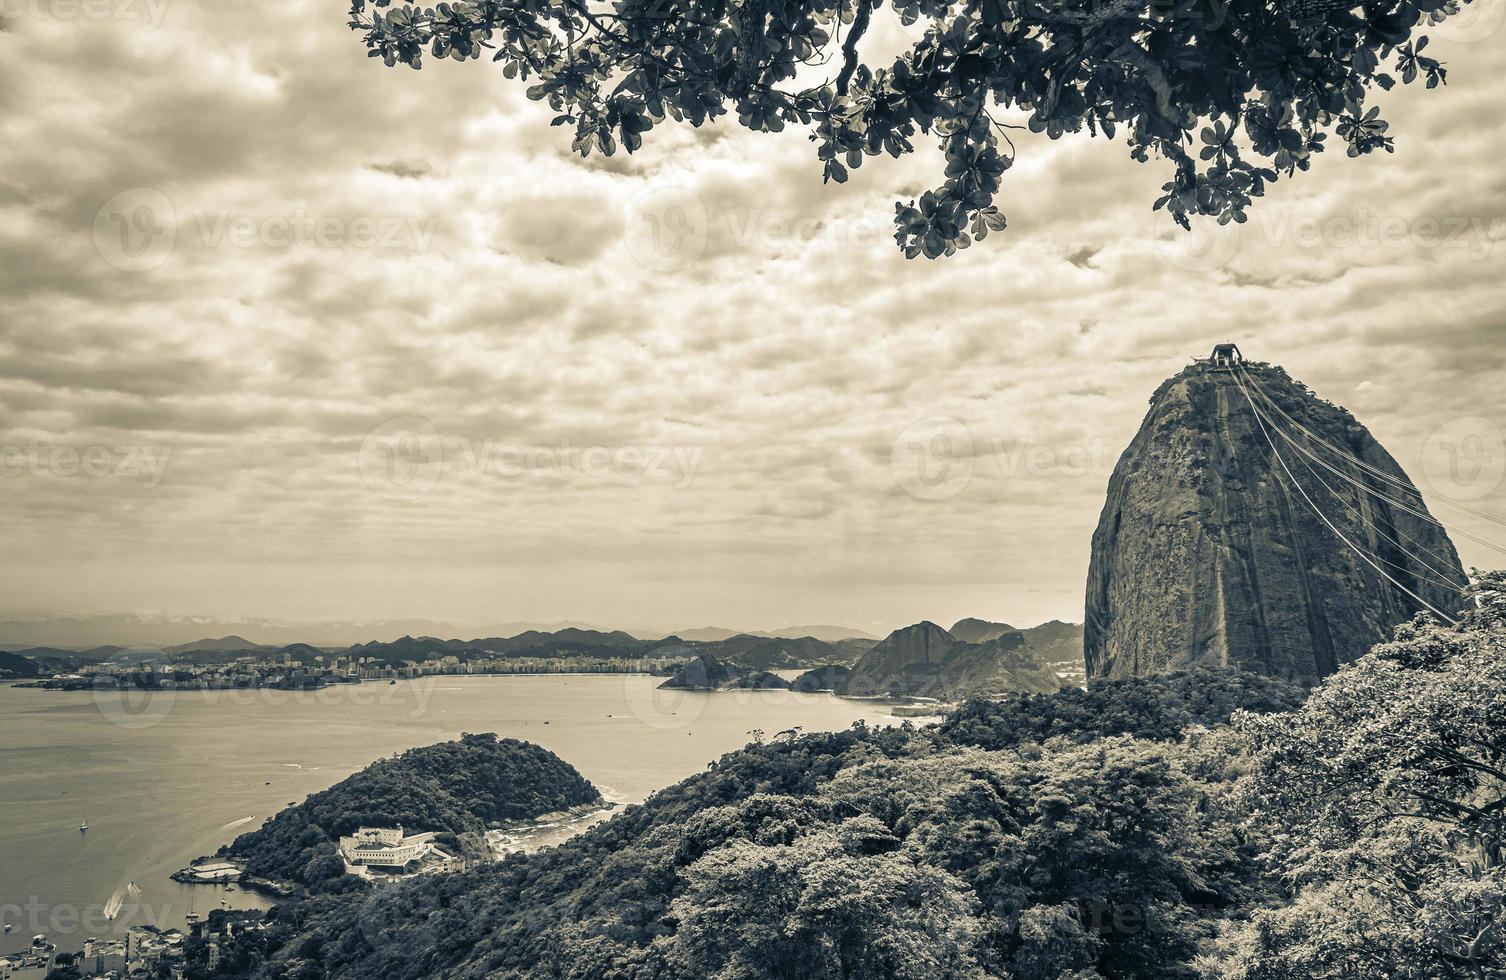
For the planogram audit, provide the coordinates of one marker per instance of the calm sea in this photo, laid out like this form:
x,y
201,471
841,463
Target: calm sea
x,y
162,779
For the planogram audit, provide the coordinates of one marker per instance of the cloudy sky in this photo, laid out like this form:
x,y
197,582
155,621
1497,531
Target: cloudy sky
x,y
287,334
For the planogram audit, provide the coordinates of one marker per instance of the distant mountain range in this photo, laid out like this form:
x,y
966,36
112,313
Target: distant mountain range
x,y
224,644
570,641
964,655
829,634
73,633
741,650
45,661
756,652
180,634
975,657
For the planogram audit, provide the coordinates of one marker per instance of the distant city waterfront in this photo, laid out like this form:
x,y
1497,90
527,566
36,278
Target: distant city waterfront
x,y
253,672
161,777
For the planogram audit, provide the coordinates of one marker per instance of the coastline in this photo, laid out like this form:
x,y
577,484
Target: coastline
x,y
503,839
214,758
267,886
83,685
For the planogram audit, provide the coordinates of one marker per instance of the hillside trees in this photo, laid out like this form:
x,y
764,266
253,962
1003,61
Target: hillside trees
x,y
459,787
1386,793
838,903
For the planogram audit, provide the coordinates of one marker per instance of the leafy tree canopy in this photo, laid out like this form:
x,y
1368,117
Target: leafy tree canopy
x,y
1231,93
1386,795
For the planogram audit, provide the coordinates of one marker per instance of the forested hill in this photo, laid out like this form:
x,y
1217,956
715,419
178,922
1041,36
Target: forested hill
x,y
15,665
460,786
866,853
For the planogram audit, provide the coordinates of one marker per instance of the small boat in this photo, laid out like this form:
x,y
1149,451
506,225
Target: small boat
x,y
83,826
8,927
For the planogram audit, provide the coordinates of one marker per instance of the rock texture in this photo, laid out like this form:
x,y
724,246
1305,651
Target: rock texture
x,y
1207,551
927,661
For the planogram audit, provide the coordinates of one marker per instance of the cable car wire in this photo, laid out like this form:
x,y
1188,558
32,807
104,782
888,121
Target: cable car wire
x,y
1324,518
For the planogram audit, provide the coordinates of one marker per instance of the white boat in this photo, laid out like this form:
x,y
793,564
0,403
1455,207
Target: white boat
x,y
83,825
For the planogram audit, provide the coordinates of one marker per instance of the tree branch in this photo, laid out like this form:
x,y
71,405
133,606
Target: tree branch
x,y
850,45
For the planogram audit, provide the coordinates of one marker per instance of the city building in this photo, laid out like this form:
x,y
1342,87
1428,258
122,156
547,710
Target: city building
x,y
101,956
32,963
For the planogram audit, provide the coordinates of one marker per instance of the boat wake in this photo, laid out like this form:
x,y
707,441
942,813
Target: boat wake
x,y
118,899
238,823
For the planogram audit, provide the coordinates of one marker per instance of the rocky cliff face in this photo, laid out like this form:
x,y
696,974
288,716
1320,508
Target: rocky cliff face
x,y
1207,551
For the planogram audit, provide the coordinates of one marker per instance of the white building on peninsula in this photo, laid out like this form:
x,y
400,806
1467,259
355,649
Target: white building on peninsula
x,y
383,847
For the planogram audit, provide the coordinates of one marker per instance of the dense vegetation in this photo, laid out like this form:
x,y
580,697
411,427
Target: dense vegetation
x,y
760,680
1160,708
458,787
1124,831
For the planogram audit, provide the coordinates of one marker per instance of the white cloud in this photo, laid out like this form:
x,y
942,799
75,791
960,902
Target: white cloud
x,y
353,244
